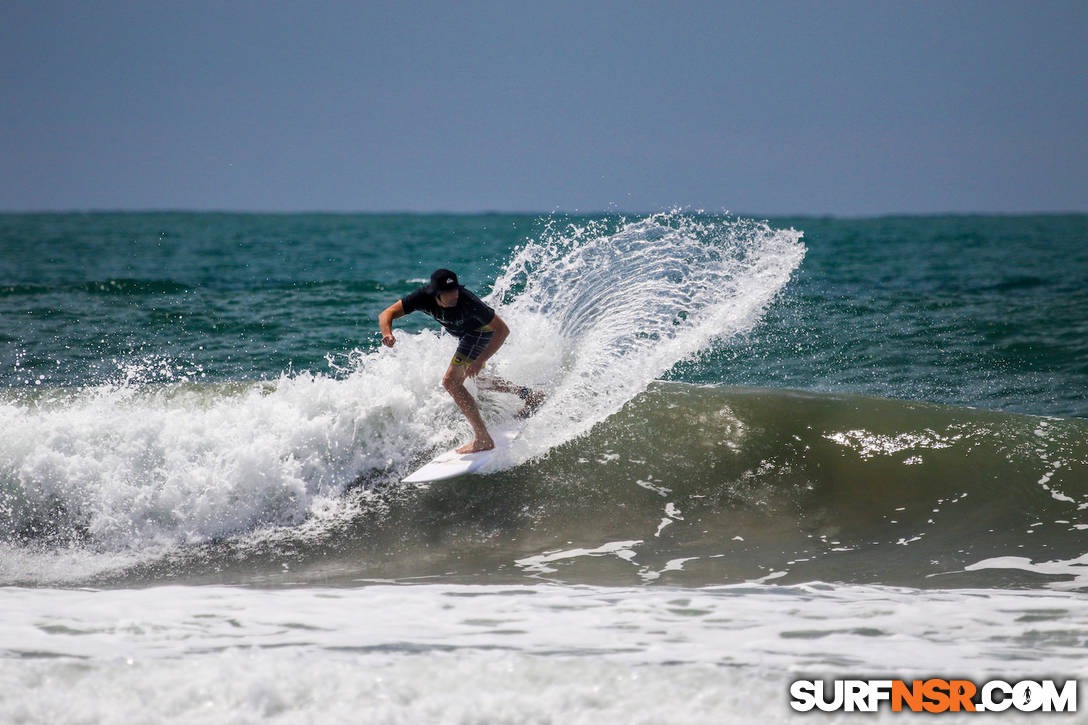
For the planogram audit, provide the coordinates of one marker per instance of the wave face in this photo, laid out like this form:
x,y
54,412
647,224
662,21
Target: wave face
x,y
686,485
708,484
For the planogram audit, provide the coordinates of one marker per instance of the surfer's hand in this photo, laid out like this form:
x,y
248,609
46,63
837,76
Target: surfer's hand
x,y
388,340
474,368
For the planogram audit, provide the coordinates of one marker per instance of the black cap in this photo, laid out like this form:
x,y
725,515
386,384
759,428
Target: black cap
x,y
442,280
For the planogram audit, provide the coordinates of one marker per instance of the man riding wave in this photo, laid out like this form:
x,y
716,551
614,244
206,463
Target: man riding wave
x,y
481,332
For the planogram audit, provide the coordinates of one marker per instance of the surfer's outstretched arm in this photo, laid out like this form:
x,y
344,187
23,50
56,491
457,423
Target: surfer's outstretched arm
x,y
385,322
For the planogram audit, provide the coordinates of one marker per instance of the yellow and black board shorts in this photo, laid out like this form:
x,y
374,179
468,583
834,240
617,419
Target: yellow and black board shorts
x,y
471,345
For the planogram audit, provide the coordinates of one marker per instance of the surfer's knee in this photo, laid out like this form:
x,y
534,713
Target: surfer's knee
x,y
453,380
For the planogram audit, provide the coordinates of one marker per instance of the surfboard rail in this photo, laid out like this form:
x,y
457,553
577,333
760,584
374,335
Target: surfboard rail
x,y
452,464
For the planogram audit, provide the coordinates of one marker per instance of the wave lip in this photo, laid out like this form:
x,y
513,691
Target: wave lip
x,y
599,311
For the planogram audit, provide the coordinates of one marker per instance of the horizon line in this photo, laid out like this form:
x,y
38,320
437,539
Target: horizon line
x,y
539,213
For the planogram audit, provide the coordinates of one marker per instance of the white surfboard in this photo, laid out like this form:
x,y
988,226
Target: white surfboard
x,y
452,464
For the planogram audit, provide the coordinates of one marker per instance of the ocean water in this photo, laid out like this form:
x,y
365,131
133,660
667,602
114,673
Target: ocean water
x,y
771,450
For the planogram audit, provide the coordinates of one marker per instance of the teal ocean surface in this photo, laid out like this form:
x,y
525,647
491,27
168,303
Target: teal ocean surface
x,y
830,447
981,311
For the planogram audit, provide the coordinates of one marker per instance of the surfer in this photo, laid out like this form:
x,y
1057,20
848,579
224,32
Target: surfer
x,y
481,333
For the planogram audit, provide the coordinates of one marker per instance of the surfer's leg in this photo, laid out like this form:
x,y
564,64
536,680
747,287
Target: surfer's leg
x,y
468,349
533,398
454,382
492,382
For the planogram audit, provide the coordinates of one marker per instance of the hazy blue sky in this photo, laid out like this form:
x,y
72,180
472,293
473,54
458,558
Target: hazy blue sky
x,y
755,107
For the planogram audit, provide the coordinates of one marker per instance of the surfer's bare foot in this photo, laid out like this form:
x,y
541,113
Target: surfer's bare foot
x,y
533,401
480,444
